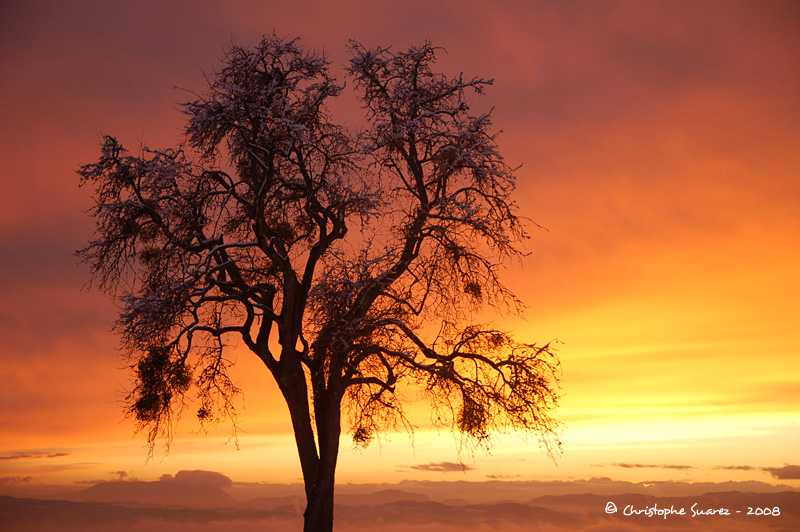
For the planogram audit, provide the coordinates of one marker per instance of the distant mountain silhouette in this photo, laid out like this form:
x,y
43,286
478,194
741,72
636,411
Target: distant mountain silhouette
x,y
552,513
34,515
290,503
379,497
194,498
417,513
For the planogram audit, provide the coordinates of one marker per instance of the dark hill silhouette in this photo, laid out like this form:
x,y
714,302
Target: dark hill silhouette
x,y
297,503
379,497
33,515
290,503
422,513
548,513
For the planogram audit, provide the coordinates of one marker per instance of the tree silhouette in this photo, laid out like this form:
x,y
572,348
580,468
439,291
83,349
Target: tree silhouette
x,y
351,264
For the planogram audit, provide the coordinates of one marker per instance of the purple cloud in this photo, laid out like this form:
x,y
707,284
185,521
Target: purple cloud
x,y
653,466
442,467
787,472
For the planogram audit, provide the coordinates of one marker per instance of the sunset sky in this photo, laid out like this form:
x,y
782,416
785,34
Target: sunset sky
x,y
660,149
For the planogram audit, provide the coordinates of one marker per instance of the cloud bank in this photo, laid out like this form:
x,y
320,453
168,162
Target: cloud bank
x,y
784,473
444,467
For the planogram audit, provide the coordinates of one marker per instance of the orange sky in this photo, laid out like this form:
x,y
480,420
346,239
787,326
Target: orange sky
x,y
659,143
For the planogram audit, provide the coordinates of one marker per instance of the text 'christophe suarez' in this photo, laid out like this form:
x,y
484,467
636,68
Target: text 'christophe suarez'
x,y
695,510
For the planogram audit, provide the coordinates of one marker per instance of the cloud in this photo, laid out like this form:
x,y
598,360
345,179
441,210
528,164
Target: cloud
x,y
787,472
33,455
121,477
442,467
652,466
200,489
15,481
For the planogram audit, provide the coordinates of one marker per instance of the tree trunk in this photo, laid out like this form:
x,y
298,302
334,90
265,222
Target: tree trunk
x,y
318,456
319,510
318,516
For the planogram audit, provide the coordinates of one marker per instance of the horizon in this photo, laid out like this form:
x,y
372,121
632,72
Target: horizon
x,y
444,489
208,501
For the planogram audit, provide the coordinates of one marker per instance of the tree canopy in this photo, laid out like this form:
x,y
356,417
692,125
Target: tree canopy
x,y
352,263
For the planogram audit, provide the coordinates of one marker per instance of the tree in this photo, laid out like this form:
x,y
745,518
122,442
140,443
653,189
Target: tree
x,y
351,264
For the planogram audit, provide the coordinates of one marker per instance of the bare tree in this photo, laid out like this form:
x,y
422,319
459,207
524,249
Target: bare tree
x,y
351,264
